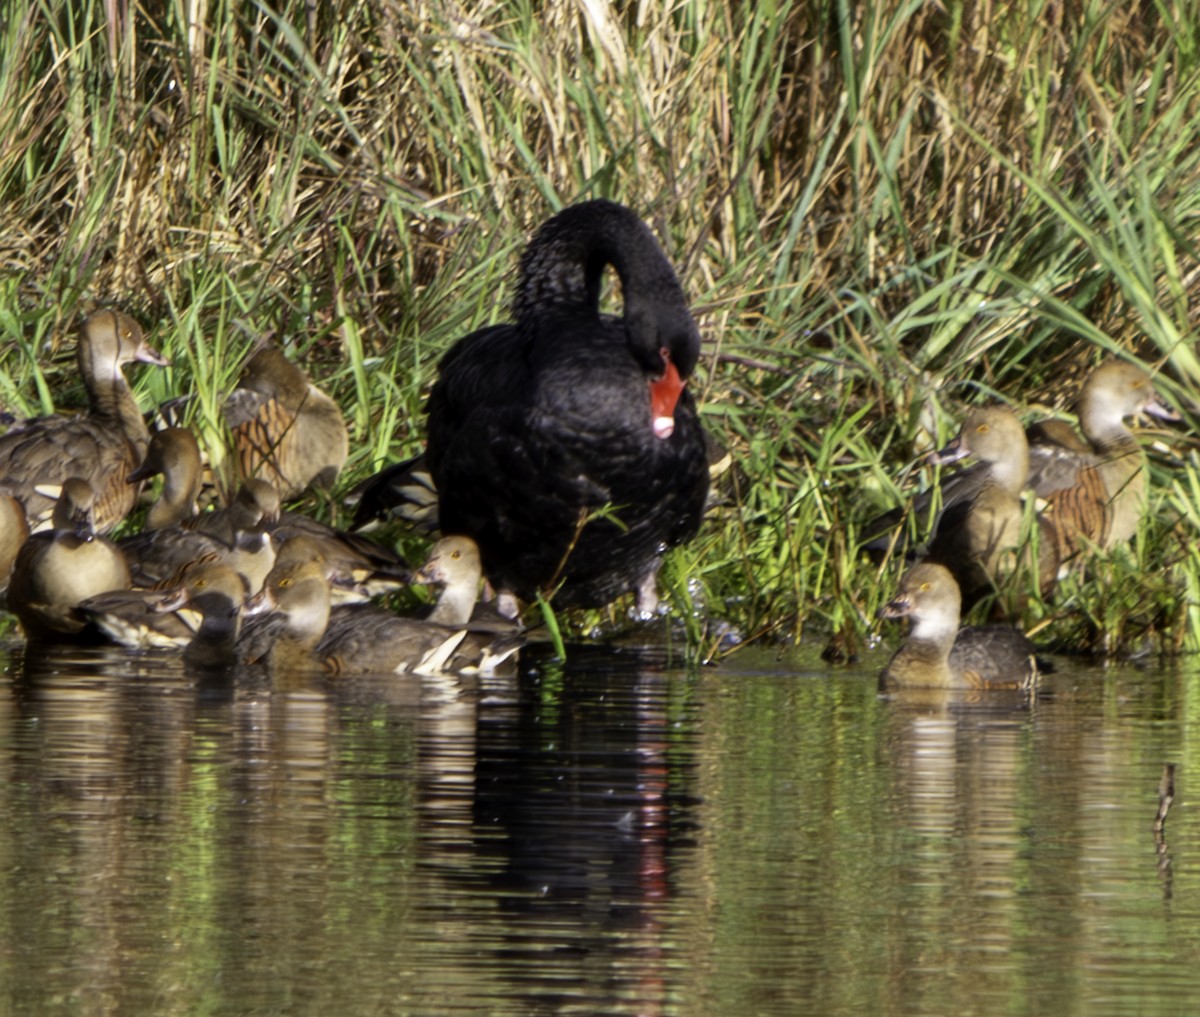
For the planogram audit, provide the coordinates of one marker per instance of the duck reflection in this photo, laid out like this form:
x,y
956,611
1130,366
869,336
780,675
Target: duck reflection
x,y
956,760
98,764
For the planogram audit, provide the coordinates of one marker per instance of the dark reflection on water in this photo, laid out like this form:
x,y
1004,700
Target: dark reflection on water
x,y
619,836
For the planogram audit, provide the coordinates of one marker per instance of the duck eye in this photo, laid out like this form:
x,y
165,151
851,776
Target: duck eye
x,y
201,583
983,429
456,555
284,583
924,587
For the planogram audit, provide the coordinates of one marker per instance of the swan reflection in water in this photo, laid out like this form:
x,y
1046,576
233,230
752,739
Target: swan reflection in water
x,y
513,838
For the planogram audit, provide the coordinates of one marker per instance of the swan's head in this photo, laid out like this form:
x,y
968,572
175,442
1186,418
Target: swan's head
x,y
664,338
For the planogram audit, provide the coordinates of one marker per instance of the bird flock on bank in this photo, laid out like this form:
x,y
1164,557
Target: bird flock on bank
x,y
564,457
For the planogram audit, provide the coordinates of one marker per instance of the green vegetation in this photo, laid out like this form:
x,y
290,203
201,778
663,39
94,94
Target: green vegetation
x,y
882,212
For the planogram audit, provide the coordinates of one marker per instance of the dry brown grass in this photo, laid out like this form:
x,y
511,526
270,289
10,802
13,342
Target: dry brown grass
x,y
881,211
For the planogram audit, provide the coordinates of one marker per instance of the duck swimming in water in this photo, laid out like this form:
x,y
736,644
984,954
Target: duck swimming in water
x,y
938,654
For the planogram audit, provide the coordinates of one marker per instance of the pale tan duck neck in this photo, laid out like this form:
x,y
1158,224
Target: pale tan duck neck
x,y
935,626
930,598
994,436
109,394
454,561
1102,421
1011,471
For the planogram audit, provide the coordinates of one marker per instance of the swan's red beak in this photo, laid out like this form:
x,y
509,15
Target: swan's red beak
x,y
664,394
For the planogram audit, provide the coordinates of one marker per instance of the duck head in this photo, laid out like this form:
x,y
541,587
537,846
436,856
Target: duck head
x,y
109,340
929,597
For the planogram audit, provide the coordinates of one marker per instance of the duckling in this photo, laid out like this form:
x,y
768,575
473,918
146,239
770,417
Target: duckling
x,y
102,446
285,429
980,525
1098,496
57,569
175,454
938,654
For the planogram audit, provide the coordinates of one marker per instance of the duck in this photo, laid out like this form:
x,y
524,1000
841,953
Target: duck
x,y
255,524
939,654
218,593
14,531
979,527
287,617
57,569
174,454
303,630
492,639
361,639
359,569
102,446
567,443
454,563
285,429
295,636
1092,488
237,535
1096,489
201,603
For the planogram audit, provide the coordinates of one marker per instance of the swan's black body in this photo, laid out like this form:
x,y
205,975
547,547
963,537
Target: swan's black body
x,y
535,426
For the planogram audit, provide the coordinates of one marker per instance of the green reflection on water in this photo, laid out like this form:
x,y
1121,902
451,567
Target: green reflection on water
x,y
632,840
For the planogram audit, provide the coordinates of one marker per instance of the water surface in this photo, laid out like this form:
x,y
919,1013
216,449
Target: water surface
x,y
623,835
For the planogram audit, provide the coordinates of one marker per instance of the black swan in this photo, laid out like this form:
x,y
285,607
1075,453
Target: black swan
x,y
566,444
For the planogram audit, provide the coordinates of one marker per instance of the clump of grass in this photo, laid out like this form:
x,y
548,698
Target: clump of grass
x,y
883,212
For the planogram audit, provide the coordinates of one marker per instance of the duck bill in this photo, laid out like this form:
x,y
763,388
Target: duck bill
x,y
901,607
425,576
172,601
952,453
664,397
1157,408
261,603
141,473
149,355
83,527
